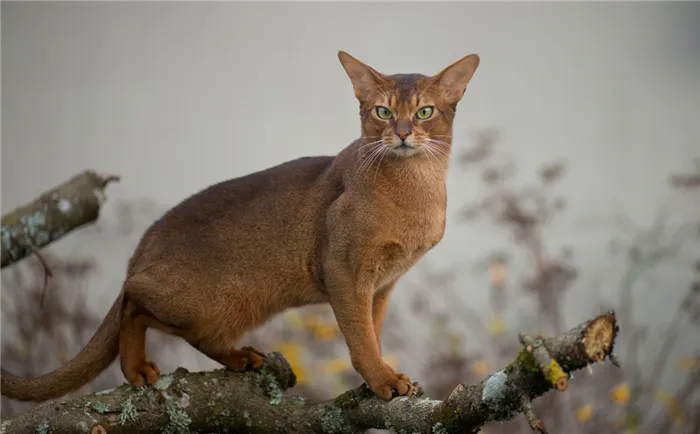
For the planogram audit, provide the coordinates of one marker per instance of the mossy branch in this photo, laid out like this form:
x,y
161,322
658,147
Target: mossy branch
x,y
55,213
253,402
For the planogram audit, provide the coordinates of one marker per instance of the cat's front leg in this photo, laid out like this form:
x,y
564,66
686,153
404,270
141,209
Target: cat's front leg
x,y
352,303
381,302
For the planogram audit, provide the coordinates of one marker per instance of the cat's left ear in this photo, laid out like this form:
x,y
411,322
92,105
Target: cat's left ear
x,y
364,79
453,80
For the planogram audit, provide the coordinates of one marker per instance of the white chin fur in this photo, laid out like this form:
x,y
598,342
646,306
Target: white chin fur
x,y
404,152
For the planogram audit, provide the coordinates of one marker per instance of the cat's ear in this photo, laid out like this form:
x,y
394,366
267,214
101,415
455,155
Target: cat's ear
x,y
453,80
364,79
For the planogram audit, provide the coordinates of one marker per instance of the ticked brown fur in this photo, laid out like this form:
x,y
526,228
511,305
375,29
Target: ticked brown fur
x,y
339,229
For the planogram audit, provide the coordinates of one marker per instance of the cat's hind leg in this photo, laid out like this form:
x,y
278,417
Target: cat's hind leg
x,y
132,348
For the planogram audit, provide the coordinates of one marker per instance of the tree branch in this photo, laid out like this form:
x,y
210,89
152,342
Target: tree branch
x,y
55,213
253,402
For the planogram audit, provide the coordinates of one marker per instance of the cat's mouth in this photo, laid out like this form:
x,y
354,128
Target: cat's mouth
x,y
404,149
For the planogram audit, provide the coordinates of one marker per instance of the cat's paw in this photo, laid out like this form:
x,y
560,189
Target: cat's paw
x,y
143,373
390,384
255,351
245,359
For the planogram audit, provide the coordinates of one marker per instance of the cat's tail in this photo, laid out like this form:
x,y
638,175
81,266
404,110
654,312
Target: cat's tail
x,y
94,358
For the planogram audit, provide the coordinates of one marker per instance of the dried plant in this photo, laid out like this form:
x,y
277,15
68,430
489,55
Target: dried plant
x,y
45,334
49,319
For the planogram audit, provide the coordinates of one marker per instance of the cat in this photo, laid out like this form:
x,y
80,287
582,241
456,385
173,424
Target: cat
x,y
328,229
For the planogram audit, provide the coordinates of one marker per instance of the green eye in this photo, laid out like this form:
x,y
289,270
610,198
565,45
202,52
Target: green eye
x,y
384,113
424,113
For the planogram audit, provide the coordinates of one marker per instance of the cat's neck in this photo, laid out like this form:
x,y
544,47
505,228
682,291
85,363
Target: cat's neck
x,y
423,174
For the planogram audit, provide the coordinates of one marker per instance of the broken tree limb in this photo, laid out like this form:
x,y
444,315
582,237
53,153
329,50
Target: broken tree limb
x,y
56,212
254,402
547,364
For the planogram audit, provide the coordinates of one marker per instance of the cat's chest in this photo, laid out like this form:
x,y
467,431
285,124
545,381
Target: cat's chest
x,y
419,233
408,242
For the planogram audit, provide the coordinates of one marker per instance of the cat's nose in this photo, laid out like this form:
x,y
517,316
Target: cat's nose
x,y
403,133
402,129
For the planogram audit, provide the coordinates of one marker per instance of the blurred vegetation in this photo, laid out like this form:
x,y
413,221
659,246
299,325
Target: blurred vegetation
x,y
464,344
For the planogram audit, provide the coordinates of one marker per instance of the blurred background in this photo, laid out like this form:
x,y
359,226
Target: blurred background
x,y
574,188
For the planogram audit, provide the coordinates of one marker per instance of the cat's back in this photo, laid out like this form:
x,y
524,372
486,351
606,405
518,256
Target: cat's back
x,y
234,196
233,215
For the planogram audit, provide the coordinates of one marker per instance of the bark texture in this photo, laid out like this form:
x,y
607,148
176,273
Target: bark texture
x,y
55,213
222,401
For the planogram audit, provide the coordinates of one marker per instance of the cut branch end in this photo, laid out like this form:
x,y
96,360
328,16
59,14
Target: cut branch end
x,y
599,336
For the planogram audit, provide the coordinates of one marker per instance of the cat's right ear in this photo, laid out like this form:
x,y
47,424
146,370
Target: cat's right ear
x,y
364,79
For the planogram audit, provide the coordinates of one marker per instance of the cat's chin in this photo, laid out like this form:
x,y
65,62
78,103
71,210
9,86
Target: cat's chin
x,y
404,150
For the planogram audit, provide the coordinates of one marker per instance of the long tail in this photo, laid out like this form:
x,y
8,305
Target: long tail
x,y
97,355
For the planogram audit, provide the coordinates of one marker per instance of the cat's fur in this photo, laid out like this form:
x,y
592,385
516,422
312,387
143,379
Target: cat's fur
x,y
340,229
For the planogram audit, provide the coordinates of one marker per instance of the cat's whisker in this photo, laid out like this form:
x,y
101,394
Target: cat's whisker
x,y
386,151
363,148
366,145
442,144
440,150
440,153
430,155
373,158
436,149
438,142
369,156
363,152
366,157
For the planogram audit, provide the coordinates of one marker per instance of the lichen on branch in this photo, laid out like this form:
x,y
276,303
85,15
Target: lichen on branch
x,y
254,402
55,213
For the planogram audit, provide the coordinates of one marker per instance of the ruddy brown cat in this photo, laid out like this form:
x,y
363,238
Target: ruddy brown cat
x,y
331,229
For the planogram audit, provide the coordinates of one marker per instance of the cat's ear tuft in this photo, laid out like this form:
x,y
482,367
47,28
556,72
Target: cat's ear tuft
x,y
454,79
364,79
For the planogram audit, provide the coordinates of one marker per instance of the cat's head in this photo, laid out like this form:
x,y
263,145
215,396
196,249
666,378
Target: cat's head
x,y
408,114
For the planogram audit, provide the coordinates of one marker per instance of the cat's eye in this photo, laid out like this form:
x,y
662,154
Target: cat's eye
x,y
424,112
384,113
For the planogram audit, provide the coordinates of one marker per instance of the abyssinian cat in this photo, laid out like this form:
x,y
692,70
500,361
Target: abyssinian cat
x,y
331,229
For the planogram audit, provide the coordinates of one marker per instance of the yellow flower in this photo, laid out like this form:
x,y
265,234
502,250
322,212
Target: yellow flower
x,y
456,342
23,348
340,385
312,320
620,394
292,352
336,366
673,407
323,331
688,364
496,326
584,413
391,360
294,319
480,368
628,423
326,332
